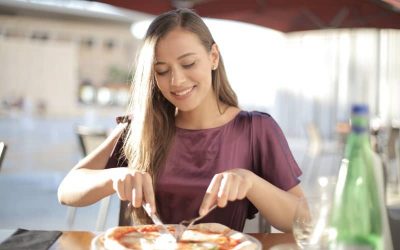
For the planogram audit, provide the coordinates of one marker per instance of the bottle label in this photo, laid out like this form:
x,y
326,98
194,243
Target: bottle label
x,y
359,129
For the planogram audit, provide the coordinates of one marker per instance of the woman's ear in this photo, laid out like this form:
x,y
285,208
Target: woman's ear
x,y
214,56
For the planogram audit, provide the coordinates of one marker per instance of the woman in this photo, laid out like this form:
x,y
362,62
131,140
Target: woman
x,y
188,145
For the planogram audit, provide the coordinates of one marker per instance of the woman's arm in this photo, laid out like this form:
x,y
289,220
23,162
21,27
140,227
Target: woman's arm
x,y
274,204
88,181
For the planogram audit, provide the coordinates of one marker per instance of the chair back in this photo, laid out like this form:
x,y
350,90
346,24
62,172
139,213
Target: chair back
x,y
394,136
314,140
90,138
3,149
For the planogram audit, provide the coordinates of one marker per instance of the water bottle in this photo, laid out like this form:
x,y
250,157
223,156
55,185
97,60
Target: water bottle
x,y
357,210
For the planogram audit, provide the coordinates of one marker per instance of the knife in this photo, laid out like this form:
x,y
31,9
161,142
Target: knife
x,y
163,229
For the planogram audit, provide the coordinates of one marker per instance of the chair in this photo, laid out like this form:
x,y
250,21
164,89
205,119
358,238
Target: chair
x,y
394,136
3,149
263,225
316,149
89,139
391,158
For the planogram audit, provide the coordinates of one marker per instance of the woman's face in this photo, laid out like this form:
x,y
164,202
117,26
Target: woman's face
x,y
183,69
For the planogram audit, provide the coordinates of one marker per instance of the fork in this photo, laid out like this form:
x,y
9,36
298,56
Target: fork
x,y
185,224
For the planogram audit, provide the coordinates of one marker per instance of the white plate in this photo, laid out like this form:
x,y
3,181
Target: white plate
x,y
253,244
97,242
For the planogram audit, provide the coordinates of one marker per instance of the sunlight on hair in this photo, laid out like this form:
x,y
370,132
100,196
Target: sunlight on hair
x,y
139,29
138,106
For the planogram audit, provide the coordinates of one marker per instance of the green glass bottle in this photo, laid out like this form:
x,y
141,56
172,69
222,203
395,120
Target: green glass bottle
x,y
356,212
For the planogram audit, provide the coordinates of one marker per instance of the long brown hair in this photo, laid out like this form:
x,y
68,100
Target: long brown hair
x,y
153,125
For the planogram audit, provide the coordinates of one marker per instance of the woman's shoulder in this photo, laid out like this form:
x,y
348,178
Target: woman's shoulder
x,y
254,116
258,122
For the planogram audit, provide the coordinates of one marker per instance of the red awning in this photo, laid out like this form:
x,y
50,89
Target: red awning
x,y
283,15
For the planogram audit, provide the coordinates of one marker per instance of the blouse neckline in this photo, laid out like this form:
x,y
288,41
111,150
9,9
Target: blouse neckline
x,y
178,129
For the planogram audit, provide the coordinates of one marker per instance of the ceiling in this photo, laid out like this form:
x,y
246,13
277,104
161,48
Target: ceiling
x,y
71,10
284,15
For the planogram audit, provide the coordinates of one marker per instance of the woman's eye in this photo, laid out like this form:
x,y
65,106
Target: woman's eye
x,y
186,66
162,73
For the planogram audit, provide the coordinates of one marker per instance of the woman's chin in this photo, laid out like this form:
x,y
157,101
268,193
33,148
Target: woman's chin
x,y
186,108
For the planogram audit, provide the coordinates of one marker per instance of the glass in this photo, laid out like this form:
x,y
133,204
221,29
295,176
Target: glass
x,y
310,224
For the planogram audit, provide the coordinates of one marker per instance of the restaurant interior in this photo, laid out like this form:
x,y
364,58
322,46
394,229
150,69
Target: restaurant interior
x,y
66,69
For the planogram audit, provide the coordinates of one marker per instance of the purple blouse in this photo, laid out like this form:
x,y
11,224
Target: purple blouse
x,y
252,140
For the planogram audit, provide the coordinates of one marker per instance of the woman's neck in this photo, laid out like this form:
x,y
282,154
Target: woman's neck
x,y
207,116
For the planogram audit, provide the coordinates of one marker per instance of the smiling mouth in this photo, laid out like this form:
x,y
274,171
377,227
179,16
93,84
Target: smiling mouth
x,y
183,92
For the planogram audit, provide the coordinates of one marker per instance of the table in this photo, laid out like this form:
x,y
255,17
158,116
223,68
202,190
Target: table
x,y
80,240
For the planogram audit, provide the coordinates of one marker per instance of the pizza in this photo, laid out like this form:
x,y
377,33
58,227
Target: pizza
x,y
201,236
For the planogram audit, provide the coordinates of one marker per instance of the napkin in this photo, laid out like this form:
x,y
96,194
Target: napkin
x,y
30,239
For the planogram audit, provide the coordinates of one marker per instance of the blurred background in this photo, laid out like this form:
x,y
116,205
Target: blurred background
x,y
65,70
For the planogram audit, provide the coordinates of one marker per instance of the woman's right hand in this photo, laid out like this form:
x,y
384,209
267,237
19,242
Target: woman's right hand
x,y
134,186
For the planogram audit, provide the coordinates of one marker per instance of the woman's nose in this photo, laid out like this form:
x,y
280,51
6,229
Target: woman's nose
x,y
177,77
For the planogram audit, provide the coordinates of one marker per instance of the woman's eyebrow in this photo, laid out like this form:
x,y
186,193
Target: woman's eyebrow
x,y
179,57
185,55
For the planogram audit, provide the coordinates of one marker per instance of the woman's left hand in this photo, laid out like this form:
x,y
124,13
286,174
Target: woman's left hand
x,y
230,185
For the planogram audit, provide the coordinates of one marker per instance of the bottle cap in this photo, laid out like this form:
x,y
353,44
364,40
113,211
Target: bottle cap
x,y
360,109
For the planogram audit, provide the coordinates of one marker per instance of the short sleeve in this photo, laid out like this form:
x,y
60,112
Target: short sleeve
x,y
272,158
117,157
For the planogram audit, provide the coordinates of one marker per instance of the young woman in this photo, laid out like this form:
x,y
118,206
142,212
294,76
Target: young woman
x,y
188,146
